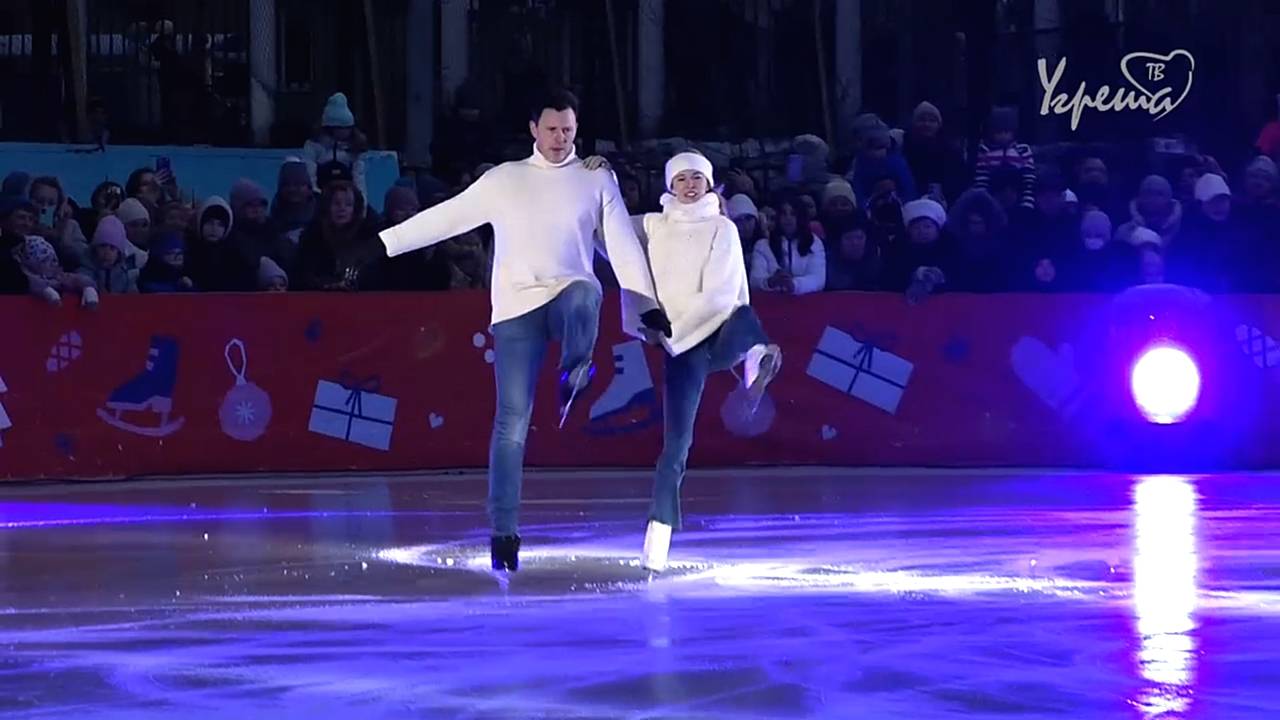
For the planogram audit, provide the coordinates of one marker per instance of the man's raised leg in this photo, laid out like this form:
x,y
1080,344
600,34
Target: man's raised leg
x,y
575,321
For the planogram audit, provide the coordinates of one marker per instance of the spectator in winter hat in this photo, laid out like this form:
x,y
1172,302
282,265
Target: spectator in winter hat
x,y
877,158
211,261
921,263
1096,263
1153,208
338,140
294,206
271,277
1001,149
422,270
935,162
1071,200
17,221
742,211
400,204
46,277
1261,182
108,263
254,235
839,202
137,225
1150,258
166,268
1217,252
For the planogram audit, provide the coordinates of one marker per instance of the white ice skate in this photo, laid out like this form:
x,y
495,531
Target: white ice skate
x,y
760,366
657,543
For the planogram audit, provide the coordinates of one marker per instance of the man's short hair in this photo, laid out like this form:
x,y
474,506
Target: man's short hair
x,y
558,100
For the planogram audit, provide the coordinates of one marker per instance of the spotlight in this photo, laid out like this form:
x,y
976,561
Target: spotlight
x,y
1165,383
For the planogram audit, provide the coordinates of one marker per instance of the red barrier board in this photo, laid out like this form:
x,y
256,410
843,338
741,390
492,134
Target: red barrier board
x,y
246,383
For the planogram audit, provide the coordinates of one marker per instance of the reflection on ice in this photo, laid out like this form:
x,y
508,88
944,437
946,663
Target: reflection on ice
x,y
1165,592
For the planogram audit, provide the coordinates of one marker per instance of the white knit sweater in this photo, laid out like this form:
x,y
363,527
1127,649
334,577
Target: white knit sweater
x,y
698,270
545,217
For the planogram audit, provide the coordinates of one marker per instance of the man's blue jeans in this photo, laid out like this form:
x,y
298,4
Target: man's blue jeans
x,y
573,318
682,393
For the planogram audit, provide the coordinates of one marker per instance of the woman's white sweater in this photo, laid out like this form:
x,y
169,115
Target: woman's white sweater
x,y
698,270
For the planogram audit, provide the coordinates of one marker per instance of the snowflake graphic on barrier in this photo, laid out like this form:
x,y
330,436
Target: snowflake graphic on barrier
x,y
245,413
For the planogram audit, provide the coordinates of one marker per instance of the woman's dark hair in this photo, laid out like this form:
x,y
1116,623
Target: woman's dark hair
x,y
804,235
556,99
332,233
134,183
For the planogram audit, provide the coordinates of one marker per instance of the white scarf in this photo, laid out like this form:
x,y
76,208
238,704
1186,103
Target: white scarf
x,y
541,161
708,206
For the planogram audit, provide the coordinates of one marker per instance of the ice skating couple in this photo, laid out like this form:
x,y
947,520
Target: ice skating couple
x,y
683,282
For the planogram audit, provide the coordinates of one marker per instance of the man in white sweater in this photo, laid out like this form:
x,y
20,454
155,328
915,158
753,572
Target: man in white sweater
x,y
545,211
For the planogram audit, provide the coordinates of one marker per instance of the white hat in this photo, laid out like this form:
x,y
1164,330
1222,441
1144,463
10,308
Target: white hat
x,y
1210,186
741,206
132,210
1070,197
923,208
1145,236
689,161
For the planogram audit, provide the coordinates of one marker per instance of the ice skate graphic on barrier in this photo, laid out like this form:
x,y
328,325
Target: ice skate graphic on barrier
x,y
630,402
149,391
5,422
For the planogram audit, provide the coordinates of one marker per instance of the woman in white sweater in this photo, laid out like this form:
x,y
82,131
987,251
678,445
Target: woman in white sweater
x,y
701,282
792,260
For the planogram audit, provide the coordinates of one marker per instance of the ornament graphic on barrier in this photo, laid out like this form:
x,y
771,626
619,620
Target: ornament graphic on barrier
x,y
151,391
860,369
65,352
630,402
246,408
1050,375
353,410
1261,348
5,422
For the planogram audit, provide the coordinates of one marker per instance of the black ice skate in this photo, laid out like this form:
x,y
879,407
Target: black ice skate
x,y
151,391
504,552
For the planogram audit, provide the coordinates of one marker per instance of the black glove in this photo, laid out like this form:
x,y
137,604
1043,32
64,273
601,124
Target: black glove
x,y
657,321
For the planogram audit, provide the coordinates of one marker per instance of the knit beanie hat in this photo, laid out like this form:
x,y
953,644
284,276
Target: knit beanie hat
x,y
1145,236
741,206
923,208
337,113
246,192
293,172
110,231
1264,165
1095,223
926,109
1210,186
37,255
1069,197
839,188
269,270
399,197
132,210
689,161
1155,184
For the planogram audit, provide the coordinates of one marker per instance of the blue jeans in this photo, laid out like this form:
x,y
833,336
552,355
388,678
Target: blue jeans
x,y
573,318
682,393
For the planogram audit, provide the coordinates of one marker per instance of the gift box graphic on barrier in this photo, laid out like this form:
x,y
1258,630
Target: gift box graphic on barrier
x,y
860,369
354,411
